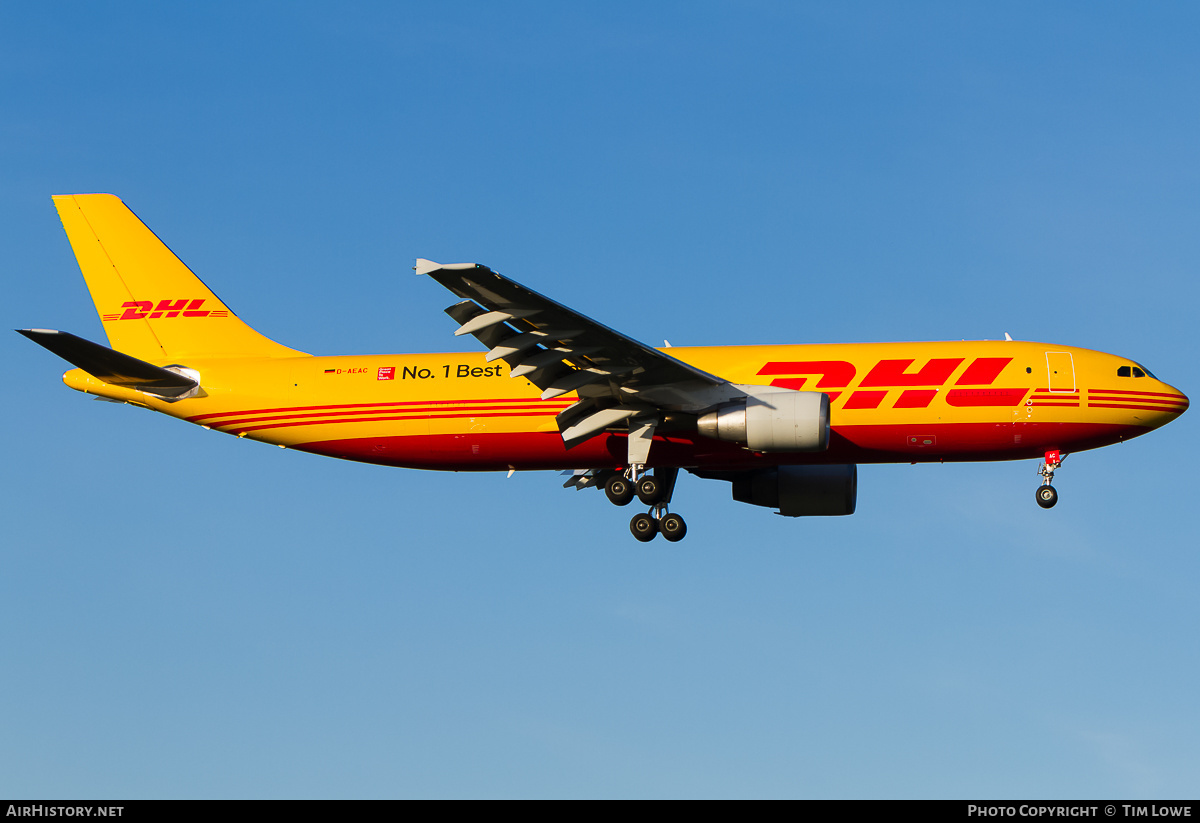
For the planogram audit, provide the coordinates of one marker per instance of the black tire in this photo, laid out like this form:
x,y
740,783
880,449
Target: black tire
x,y
1047,497
643,527
619,490
649,490
672,527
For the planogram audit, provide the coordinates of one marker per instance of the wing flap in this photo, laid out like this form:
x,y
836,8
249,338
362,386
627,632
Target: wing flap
x,y
595,423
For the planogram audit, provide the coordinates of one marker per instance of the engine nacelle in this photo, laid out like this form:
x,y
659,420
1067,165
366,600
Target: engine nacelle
x,y
772,420
801,491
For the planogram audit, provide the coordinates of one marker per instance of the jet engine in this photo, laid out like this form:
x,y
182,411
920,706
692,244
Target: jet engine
x,y
772,420
800,491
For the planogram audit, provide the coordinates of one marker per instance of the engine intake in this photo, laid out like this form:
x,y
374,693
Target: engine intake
x,y
801,491
774,420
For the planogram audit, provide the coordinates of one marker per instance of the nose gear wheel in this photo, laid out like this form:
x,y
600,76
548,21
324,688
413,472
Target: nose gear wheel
x,y
1046,494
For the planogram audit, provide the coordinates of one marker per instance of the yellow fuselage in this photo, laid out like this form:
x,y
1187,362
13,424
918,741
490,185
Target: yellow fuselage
x,y
890,402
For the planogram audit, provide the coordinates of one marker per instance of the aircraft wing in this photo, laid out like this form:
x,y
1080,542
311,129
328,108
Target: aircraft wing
x,y
560,350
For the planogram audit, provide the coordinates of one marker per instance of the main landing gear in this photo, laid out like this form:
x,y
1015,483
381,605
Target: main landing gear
x,y
653,490
1046,495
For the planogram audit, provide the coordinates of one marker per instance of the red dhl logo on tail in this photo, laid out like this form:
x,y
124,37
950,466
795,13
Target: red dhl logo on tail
x,y
887,374
147,310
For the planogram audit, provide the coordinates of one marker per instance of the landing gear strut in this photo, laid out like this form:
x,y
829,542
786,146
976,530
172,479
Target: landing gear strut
x,y
1046,495
655,491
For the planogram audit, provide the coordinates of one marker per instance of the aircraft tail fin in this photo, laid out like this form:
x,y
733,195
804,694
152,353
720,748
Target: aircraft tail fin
x,y
152,306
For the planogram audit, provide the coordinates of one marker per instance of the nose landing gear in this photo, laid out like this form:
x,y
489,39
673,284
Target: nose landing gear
x,y
1046,495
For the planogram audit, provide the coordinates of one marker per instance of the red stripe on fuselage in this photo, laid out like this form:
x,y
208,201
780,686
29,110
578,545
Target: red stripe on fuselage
x,y
1139,393
955,442
415,412
1178,409
533,402
968,398
300,423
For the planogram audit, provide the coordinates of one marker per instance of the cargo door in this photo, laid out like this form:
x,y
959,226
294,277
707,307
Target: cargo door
x,y
1060,369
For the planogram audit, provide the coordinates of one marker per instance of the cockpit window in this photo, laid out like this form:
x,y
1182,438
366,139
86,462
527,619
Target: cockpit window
x,y
1134,371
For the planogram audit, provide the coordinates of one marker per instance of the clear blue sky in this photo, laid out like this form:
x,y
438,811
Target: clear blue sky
x,y
187,615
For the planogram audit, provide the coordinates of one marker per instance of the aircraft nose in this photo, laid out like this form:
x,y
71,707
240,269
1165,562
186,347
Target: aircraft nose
x,y
1153,404
1181,399
1171,400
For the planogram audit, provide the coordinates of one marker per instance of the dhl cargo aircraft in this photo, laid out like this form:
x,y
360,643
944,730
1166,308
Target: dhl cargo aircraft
x,y
785,425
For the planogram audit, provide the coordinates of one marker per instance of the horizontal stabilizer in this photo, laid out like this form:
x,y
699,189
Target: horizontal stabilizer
x,y
111,366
